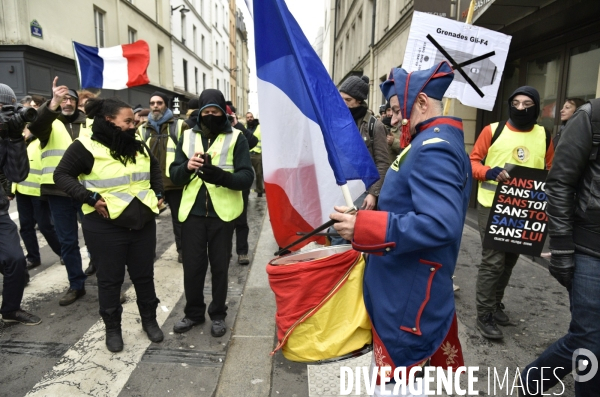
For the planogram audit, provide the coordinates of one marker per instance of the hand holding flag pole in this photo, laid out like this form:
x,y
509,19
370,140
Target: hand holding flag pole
x,y
325,226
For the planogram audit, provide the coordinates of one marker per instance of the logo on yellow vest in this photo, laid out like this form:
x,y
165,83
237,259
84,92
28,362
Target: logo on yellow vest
x,y
521,154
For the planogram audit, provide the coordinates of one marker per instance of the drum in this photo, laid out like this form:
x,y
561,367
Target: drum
x,y
321,313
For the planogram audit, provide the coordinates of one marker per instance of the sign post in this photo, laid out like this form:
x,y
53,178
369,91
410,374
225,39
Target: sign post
x,y
36,29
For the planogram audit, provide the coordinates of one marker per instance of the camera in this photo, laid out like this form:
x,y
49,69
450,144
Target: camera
x,y
230,118
13,118
207,160
382,108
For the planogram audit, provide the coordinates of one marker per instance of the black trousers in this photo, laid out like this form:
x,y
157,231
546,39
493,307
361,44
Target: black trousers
x,y
205,240
34,210
112,251
241,227
12,266
173,198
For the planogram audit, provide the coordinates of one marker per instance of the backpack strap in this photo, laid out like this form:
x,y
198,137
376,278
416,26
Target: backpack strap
x,y
371,128
173,131
595,120
146,134
497,132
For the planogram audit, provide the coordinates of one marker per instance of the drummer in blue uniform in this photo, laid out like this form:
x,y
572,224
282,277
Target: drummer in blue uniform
x,y
415,235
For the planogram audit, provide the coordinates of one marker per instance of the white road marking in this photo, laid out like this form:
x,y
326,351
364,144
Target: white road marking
x,y
88,368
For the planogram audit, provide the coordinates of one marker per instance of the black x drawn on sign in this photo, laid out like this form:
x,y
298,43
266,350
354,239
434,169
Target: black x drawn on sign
x,y
459,66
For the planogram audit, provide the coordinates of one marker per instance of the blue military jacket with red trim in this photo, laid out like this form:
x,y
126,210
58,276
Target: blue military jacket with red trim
x,y
415,238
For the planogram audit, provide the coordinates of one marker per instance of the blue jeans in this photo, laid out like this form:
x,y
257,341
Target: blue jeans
x,y
34,210
338,240
64,213
584,333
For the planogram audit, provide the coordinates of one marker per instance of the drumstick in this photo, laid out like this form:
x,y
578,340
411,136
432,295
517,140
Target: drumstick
x,y
324,226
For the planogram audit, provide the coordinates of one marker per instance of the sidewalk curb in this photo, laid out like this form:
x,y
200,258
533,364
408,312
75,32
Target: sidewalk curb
x,y
247,368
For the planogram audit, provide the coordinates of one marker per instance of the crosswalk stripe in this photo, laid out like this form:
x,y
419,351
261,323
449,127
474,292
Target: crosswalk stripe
x,y
52,280
88,368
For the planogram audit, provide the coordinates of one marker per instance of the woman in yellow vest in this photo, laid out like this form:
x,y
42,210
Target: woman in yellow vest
x,y
212,163
120,189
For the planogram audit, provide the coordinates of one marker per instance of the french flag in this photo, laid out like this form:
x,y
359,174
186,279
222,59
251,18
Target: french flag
x,y
310,141
114,68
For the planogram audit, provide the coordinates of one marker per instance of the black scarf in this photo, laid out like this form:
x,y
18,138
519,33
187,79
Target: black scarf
x,y
358,112
122,144
523,119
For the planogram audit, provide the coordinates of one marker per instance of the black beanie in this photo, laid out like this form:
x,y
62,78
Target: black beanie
x,y
193,103
164,96
356,87
212,97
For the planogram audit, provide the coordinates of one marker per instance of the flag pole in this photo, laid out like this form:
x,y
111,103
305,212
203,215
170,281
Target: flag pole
x,y
347,196
469,21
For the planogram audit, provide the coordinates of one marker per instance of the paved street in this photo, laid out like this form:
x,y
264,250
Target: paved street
x,y
66,356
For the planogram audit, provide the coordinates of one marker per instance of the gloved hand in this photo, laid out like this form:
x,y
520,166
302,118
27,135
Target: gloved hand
x,y
12,125
214,175
493,173
562,267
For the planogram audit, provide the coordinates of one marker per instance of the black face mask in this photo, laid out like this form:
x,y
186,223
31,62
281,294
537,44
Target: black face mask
x,y
387,121
215,124
358,112
523,119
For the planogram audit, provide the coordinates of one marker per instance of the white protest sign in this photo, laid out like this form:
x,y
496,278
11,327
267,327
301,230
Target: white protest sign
x,y
479,53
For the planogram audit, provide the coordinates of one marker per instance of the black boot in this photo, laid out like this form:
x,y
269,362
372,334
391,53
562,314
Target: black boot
x,y
112,321
487,326
149,324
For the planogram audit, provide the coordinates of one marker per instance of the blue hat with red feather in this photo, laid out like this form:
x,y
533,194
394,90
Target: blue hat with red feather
x,y
434,82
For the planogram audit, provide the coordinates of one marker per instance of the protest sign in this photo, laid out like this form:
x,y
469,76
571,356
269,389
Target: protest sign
x,y
478,56
518,222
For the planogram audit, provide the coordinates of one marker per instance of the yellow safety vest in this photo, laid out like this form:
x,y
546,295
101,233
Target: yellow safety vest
x,y
31,185
171,145
527,149
258,147
118,184
54,151
228,204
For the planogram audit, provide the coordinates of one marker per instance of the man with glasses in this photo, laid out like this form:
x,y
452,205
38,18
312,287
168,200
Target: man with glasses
x,y
161,133
60,122
520,141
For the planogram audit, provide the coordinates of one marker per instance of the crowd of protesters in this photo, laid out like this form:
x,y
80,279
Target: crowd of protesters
x,y
113,168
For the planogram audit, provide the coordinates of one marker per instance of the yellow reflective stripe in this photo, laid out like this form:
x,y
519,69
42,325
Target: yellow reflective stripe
x,y
140,176
170,150
142,194
192,146
224,151
123,196
110,182
48,170
35,172
29,184
53,152
489,186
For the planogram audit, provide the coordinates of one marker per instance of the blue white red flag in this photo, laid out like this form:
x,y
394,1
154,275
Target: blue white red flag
x,y
309,138
114,68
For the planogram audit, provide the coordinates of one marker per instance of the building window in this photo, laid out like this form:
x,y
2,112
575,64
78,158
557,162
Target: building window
x,y
203,81
183,35
217,84
217,53
216,15
99,26
196,79
161,65
202,43
185,77
131,35
195,38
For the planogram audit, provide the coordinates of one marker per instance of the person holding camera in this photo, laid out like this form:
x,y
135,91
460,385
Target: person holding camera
x,y
15,166
212,161
161,133
119,183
